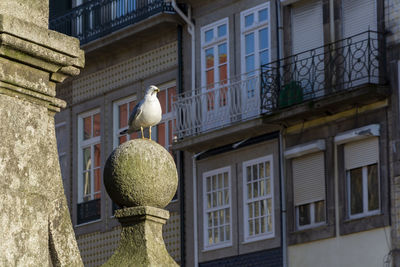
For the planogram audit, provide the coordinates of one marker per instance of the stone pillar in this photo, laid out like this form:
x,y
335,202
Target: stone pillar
x,y
35,225
140,176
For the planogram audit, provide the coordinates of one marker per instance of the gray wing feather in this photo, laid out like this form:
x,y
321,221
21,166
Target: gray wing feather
x,y
137,110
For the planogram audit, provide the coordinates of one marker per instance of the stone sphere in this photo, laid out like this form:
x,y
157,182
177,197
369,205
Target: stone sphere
x,y
140,172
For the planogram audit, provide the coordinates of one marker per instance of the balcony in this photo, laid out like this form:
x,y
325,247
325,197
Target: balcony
x,y
349,65
314,83
97,18
217,105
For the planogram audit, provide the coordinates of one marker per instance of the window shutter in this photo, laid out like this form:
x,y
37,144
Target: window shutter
x,y
307,26
308,178
361,153
358,16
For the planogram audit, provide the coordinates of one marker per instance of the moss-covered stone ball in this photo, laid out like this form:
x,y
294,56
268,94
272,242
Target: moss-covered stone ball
x,y
140,172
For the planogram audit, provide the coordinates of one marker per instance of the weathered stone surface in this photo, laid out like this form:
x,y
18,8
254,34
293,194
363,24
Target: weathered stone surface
x,y
140,175
140,172
141,242
35,226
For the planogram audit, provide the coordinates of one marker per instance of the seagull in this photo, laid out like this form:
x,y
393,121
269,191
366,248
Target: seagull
x,y
146,113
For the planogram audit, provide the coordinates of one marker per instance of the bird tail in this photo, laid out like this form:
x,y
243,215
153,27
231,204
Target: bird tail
x,y
124,132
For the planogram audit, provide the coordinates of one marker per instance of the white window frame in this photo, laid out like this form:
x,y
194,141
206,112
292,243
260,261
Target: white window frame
x,y
116,129
365,212
312,223
266,235
254,28
205,209
82,144
214,43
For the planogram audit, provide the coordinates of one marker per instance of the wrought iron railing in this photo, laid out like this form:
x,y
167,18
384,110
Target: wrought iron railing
x,y
217,105
343,65
97,18
89,211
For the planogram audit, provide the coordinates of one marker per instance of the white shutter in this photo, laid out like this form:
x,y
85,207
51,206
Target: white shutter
x,y
308,178
307,26
361,153
358,16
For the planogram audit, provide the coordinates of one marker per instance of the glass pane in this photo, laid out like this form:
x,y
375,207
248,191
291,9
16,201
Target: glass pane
x,y
261,170
227,216
250,208
255,172
251,227
248,173
209,35
319,211
97,180
209,57
263,15
267,170
262,188
223,77
263,38
162,98
304,214
96,125
269,206
356,191
208,182
264,57
257,226
221,234
123,116
249,20
255,189
87,128
87,187
97,155
161,134
131,106
249,63
214,182
226,181
263,227
220,199
210,78
268,185
263,207
249,194
208,200
249,43
221,217
214,195
269,223
215,218
171,97
209,221
220,181
373,187
257,209
216,235
226,195
210,239
222,30
222,53
87,162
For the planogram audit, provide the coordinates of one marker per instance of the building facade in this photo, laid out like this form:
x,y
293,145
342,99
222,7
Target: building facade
x,y
283,117
123,57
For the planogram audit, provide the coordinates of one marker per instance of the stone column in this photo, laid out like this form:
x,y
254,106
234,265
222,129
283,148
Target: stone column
x,y
140,176
35,225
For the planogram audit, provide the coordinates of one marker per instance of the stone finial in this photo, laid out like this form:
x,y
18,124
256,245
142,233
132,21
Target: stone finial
x,y
140,176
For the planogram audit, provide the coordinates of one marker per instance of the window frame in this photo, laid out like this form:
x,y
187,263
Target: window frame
x,y
254,29
224,244
83,144
214,43
116,129
312,223
266,235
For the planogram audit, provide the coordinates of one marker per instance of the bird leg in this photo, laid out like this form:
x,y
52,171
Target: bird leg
x,y
150,133
141,129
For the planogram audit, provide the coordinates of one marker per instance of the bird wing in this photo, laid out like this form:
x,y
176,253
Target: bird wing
x,y
137,110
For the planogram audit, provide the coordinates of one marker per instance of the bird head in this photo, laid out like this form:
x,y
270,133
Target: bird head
x,y
152,90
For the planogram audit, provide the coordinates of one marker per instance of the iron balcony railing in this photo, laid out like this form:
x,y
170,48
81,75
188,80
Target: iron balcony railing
x,y
98,18
217,105
343,65
89,211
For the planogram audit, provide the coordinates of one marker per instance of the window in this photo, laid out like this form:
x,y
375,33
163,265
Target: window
x,y
215,63
258,199
165,127
362,178
89,167
122,110
217,208
308,172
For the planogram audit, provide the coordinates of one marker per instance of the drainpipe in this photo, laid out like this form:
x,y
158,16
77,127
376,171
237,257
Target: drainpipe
x,y
279,46
188,20
195,227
